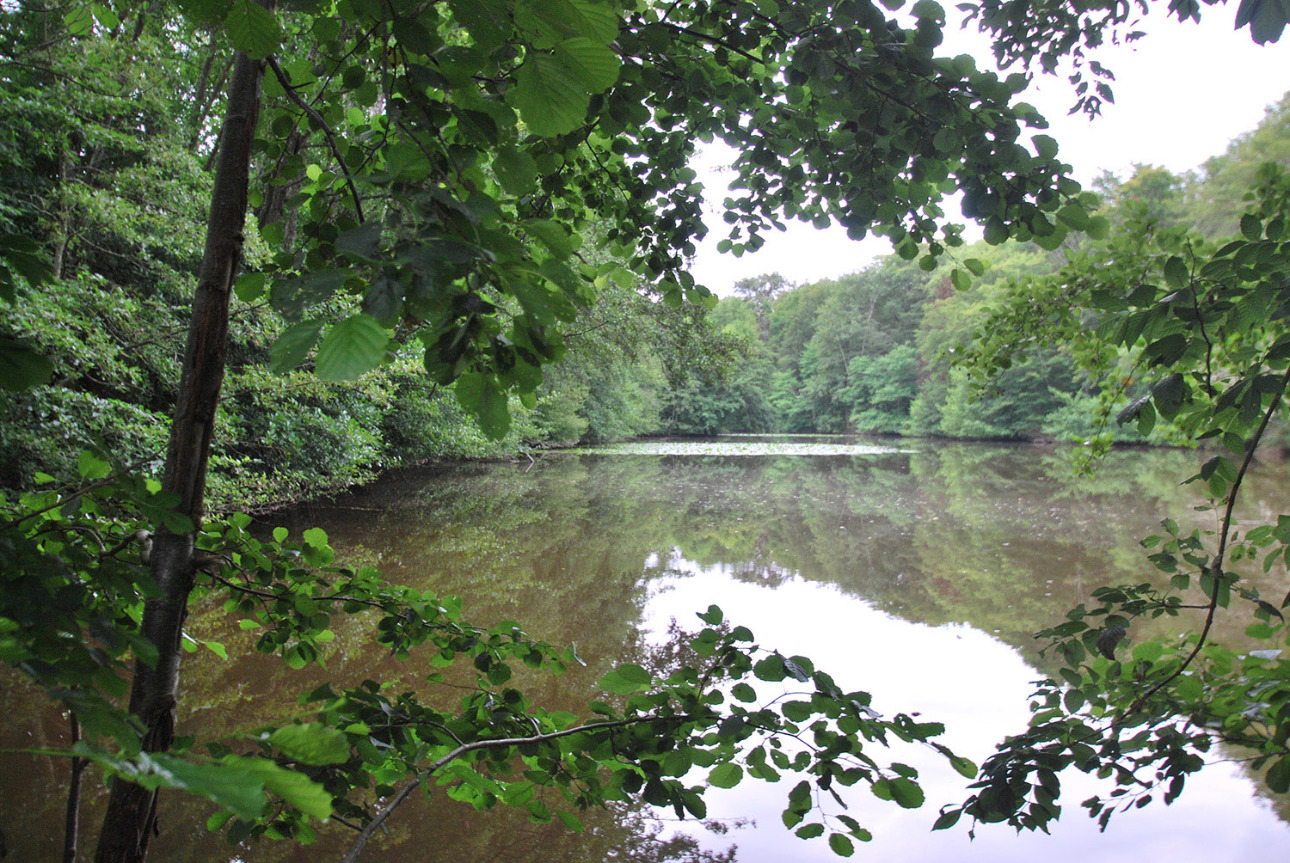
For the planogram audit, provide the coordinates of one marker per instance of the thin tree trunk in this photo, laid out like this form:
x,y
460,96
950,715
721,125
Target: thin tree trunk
x,y
130,821
72,820
63,237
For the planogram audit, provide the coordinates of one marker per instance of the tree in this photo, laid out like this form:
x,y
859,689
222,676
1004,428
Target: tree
x,y
1155,191
866,314
761,292
1219,198
445,159
1202,326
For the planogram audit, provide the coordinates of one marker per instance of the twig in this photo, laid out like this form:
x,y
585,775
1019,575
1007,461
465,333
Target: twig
x,y
71,824
497,743
62,501
1216,566
326,130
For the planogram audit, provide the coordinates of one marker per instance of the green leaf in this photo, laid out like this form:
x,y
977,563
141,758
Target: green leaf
x,y
384,299
296,789
311,743
93,465
177,522
253,29
1189,688
1169,395
551,97
316,537
626,679
226,782
249,287
1074,217
406,161
770,669
413,36
481,396
292,347
1045,146
352,347
595,63
290,297
797,711
726,775
996,231
553,235
21,367
1267,19
79,22
1251,227
841,844
712,616
906,793
810,831
361,242
1278,777
1176,273
1051,242
515,170
487,21
1148,651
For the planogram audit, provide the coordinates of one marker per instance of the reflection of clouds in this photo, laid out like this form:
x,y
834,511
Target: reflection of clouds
x,y
978,686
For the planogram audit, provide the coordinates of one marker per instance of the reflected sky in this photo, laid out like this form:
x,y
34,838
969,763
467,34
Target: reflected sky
x,y
977,685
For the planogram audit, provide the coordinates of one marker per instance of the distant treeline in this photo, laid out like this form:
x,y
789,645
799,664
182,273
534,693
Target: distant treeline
x,y
874,351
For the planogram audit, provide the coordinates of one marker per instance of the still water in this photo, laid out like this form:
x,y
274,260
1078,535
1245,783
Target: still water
x,y
915,573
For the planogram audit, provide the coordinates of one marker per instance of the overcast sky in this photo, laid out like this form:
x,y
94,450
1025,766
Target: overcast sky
x,y
1182,93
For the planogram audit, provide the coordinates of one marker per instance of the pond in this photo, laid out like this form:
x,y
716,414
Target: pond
x,y
916,572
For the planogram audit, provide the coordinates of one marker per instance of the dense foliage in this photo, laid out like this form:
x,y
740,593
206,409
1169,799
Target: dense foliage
x,y
466,180
464,195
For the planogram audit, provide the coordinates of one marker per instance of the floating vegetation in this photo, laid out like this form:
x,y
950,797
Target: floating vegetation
x,y
748,445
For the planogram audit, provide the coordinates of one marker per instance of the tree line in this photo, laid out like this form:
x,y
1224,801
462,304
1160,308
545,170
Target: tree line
x,y
874,351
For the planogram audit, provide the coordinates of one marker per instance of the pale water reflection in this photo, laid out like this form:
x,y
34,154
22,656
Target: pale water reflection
x,y
977,686
917,574
748,445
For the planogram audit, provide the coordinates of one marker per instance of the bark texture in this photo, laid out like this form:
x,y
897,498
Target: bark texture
x,y
130,821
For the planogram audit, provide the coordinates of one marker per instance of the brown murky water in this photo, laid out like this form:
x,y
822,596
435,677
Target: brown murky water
x,y
917,574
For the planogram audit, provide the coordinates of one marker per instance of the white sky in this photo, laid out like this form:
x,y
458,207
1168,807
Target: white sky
x,y
1182,93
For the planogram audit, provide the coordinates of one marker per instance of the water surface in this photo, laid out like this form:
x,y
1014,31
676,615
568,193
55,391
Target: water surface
x,y
914,572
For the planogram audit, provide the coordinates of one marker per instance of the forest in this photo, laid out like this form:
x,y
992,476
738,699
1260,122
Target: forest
x,y
869,352
873,352
253,253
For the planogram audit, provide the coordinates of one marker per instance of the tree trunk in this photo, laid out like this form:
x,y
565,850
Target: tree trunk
x,y
130,821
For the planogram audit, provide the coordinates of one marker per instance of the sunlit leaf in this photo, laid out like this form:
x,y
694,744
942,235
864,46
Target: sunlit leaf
x,y
311,743
552,98
253,29
726,775
351,347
